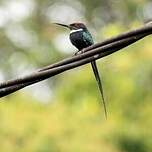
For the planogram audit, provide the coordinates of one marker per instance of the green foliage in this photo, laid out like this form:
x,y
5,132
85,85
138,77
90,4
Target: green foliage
x,y
73,120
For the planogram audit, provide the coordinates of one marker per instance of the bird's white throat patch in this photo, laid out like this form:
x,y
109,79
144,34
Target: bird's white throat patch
x,y
73,31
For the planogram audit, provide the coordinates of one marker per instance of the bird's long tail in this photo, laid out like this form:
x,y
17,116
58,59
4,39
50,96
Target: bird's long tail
x,y
97,77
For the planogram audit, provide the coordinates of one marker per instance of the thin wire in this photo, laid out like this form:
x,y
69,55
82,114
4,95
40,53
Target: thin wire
x,y
105,50
145,30
89,55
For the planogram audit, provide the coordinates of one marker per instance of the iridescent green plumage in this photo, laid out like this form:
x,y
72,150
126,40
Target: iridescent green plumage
x,y
87,38
81,38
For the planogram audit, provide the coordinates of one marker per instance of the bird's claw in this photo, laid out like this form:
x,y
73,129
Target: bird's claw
x,y
79,52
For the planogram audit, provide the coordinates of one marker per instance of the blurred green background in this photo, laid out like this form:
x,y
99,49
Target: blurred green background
x,y
64,113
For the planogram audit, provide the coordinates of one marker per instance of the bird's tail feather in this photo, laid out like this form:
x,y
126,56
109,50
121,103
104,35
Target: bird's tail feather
x,y
97,77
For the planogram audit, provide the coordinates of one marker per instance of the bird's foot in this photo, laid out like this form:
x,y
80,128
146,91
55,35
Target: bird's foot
x,y
79,52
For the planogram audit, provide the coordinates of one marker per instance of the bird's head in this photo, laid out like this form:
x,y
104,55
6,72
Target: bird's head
x,y
74,26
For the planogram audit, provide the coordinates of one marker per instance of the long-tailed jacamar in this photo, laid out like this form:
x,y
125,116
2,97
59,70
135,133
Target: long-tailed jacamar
x,y
81,38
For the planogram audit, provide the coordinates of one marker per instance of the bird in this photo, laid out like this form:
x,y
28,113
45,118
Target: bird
x,y
81,38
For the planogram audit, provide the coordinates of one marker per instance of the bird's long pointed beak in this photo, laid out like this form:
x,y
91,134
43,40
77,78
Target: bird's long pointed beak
x,y
67,26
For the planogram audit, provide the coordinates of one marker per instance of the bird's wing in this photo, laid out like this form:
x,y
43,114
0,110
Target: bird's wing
x,y
87,38
97,76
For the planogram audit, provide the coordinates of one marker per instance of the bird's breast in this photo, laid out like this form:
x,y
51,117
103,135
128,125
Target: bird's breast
x,y
77,40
